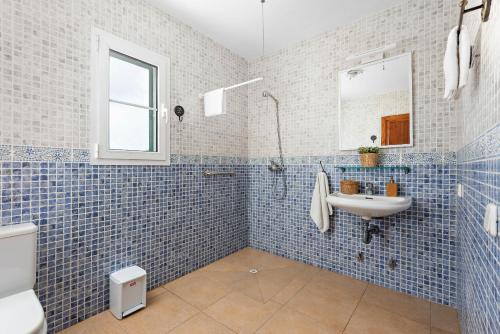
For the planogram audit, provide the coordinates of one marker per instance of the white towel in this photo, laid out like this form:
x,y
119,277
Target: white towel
x,y
215,102
465,55
453,71
490,219
320,208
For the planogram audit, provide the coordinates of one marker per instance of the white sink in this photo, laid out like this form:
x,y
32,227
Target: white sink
x,y
369,206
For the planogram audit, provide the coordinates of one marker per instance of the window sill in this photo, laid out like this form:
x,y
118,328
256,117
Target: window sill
x,y
125,162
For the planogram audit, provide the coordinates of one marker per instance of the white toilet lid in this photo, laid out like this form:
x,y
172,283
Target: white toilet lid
x,y
21,313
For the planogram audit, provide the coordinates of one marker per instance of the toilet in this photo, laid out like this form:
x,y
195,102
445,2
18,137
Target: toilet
x,y
20,309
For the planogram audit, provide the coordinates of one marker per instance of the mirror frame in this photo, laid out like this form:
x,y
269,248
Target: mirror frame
x,y
410,90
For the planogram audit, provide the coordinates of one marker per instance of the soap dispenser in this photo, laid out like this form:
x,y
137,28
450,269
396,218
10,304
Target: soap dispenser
x,y
391,188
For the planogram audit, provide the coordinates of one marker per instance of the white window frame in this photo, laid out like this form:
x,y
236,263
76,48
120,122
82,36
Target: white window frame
x,y
102,42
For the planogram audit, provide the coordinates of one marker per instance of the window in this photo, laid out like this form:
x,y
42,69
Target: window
x,y
129,119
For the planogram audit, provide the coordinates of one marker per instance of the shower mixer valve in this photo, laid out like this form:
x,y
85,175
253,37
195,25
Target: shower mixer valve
x,y
275,167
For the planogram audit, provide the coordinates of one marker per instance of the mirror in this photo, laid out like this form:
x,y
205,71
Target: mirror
x,y
375,104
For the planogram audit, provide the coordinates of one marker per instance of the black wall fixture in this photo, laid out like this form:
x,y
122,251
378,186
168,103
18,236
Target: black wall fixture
x,y
179,111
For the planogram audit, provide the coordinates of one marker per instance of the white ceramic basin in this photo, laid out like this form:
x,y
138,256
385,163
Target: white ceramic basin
x,y
369,206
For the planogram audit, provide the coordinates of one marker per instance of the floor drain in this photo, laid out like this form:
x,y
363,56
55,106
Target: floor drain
x,y
253,271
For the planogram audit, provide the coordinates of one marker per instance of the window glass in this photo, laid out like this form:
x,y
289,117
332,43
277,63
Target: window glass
x,y
131,128
133,114
130,80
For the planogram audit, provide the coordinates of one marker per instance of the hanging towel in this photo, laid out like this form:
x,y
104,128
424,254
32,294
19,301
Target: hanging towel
x,y
490,219
215,102
453,70
465,55
320,208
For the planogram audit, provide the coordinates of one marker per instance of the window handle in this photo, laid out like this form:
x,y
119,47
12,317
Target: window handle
x,y
164,113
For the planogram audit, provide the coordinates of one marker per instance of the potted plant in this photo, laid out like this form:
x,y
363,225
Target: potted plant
x,y
368,156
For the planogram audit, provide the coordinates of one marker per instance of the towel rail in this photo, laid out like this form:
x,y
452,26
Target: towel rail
x,y
237,85
485,11
208,173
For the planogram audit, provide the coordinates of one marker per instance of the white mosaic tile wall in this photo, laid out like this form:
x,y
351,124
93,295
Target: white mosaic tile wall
x,y
44,69
304,79
478,107
478,111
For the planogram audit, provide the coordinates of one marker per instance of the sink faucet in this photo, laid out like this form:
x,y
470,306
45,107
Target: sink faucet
x,y
369,188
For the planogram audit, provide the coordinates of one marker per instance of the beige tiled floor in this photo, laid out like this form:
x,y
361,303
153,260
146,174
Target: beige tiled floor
x,y
284,296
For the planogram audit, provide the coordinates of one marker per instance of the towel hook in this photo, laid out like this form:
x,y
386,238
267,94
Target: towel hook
x,y
179,112
322,168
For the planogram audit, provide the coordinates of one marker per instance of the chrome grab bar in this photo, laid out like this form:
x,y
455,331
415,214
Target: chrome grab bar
x,y
211,173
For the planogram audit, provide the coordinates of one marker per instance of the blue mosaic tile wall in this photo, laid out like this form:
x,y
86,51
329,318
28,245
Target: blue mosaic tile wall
x,y
171,220
479,269
94,220
422,239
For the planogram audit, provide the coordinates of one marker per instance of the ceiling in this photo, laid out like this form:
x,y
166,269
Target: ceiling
x,y
236,24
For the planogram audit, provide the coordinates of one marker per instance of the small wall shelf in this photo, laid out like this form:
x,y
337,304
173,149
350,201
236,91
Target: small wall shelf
x,y
405,169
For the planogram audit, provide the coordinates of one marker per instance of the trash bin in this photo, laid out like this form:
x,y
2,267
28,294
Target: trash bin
x,y
127,291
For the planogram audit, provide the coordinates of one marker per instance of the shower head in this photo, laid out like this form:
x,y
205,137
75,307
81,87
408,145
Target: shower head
x,y
267,94
354,73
